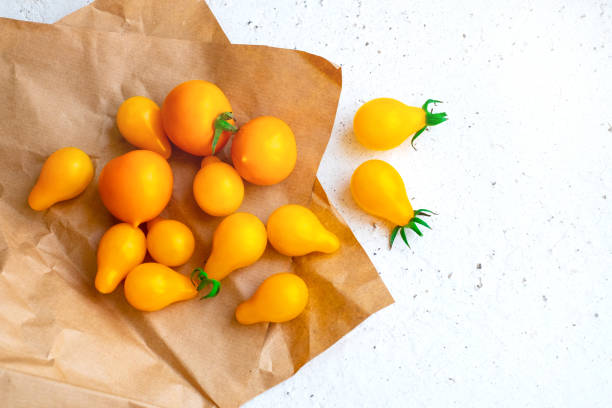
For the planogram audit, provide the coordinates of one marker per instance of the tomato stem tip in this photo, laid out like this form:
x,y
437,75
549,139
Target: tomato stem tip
x,y
221,125
431,119
412,224
202,280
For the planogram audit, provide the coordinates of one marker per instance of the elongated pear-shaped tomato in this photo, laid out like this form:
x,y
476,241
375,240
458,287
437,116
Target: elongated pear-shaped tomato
x,y
379,190
384,123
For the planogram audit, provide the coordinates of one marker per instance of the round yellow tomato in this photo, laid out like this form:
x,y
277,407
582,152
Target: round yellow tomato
x,y
384,123
136,186
264,151
170,242
217,187
191,114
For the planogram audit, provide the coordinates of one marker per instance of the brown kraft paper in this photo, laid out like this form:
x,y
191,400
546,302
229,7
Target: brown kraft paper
x,y
62,343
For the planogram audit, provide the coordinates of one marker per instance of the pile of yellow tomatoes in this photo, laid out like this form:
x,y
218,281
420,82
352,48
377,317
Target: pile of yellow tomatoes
x,y
197,117
136,187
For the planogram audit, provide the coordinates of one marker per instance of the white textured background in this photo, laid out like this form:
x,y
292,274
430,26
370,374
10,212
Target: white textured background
x,y
506,303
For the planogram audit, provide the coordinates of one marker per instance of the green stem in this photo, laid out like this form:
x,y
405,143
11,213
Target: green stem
x,y
222,125
431,119
412,225
202,280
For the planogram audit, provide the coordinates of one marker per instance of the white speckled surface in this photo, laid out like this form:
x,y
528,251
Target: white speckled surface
x,y
506,302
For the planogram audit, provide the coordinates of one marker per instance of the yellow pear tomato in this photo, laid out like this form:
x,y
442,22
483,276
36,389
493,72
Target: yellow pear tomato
x,y
384,123
280,298
65,175
153,286
379,190
121,249
294,230
239,241
140,123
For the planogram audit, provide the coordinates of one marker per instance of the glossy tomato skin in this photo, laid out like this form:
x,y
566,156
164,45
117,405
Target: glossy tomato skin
x,y
170,242
65,175
153,286
280,298
264,151
136,187
239,241
121,249
218,188
294,230
139,122
188,115
384,123
379,190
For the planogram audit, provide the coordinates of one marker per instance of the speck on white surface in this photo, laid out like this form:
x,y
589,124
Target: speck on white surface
x,y
506,302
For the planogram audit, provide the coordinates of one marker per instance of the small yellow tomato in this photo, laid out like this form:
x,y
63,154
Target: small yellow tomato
x,y
140,123
217,187
294,230
384,123
379,190
280,298
65,175
264,151
239,241
121,249
170,242
153,286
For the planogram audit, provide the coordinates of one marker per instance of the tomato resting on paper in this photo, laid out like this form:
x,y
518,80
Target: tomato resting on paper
x,y
197,117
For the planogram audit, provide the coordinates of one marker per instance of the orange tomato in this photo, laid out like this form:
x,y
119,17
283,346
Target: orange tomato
x,y
217,187
136,186
193,112
264,151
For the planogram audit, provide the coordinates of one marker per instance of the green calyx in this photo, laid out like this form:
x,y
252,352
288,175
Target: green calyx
x,y
413,224
431,119
222,125
199,278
